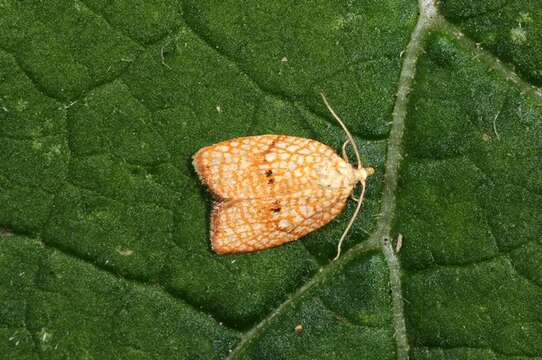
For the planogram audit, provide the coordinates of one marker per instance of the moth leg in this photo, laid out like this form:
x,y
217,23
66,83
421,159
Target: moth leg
x,y
345,157
353,197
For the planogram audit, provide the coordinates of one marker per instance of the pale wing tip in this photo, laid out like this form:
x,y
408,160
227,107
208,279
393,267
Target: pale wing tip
x,y
220,249
216,244
219,246
196,163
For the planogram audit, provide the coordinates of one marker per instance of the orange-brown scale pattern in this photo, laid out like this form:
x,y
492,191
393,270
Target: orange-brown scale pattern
x,y
271,189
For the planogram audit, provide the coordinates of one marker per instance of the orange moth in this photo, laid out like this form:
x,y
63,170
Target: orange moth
x,y
273,189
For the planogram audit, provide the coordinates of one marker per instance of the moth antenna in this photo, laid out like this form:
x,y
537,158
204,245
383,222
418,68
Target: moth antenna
x,y
345,154
348,135
358,159
351,222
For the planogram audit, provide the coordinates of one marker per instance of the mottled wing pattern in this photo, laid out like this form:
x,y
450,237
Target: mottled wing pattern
x,y
271,189
259,166
255,224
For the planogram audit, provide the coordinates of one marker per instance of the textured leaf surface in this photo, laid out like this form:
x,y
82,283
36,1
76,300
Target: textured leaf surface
x,y
104,247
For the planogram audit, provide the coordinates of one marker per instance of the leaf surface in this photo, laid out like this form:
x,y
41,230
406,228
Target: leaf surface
x,y
104,246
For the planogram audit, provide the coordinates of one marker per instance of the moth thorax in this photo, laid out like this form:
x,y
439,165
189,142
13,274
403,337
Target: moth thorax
x,y
334,178
362,174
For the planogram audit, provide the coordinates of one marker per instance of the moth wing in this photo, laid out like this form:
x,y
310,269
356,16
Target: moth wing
x,y
259,166
248,225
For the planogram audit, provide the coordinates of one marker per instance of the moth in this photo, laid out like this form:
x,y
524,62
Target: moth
x,y
273,189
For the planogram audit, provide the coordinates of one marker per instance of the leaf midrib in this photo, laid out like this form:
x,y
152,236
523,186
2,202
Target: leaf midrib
x,y
379,239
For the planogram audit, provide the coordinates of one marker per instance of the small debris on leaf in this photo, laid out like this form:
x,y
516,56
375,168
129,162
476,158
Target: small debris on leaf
x,y
125,252
399,243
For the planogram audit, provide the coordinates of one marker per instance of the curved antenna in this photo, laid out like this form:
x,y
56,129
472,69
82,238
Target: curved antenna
x,y
352,219
356,151
348,135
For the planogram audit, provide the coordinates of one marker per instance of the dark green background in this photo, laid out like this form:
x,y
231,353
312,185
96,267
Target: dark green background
x,y
104,249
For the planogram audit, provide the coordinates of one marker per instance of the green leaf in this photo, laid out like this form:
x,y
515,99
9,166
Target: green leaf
x,y
104,246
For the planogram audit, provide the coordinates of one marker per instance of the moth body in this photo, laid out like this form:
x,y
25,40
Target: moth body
x,y
272,189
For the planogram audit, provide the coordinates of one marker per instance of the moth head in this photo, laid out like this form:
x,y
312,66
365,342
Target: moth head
x,y
362,173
